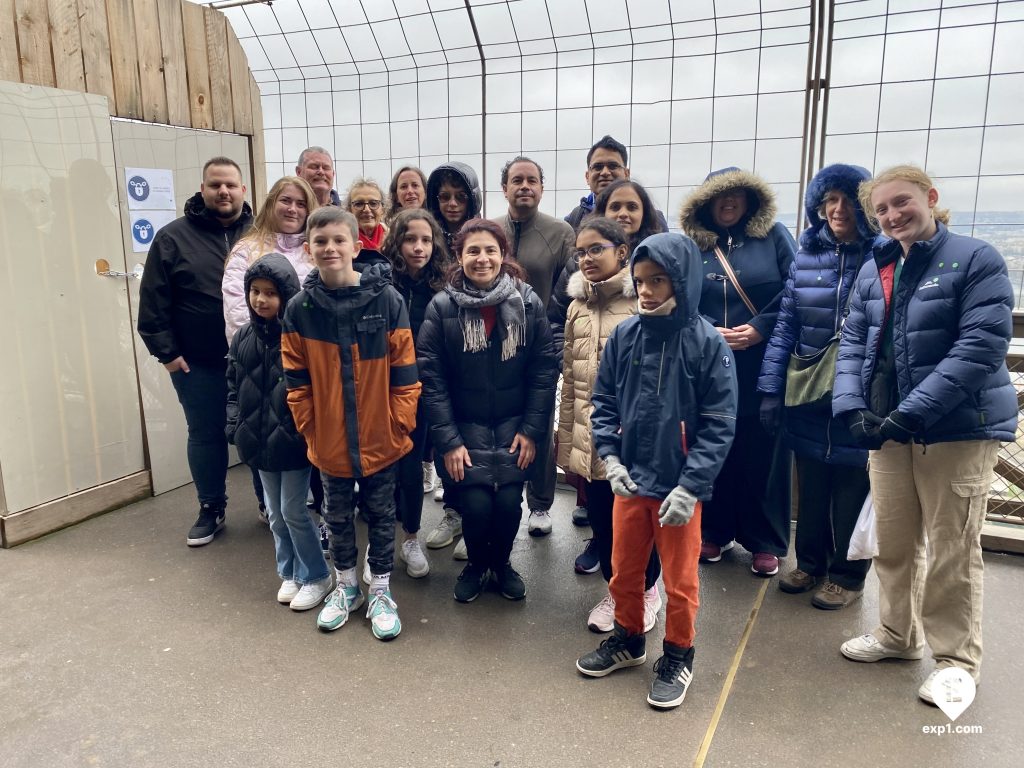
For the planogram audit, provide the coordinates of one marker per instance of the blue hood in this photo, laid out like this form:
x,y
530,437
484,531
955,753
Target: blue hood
x,y
845,179
680,257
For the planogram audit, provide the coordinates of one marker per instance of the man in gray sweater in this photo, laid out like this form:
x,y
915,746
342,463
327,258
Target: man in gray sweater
x,y
543,246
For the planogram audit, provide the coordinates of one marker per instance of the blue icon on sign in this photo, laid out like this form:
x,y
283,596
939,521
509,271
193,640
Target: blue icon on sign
x,y
142,231
138,188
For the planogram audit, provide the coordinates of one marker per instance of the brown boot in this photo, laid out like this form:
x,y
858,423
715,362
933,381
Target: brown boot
x,y
797,581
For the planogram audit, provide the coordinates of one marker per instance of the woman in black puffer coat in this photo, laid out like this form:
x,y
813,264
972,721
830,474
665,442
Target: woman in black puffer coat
x,y
260,425
488,368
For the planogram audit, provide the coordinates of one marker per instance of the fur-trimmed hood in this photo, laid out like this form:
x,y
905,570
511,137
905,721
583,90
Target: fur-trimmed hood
x,y
581,288
843,178
695,214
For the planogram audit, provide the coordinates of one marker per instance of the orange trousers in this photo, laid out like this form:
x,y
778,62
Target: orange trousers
x,y
635,529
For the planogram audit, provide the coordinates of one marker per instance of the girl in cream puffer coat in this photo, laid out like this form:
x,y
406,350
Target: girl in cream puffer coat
x,y
603,296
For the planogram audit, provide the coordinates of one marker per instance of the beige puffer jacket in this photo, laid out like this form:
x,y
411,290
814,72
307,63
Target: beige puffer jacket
x,y
595,311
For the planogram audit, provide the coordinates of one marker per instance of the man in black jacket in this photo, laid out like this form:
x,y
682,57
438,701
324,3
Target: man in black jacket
x,y
181,320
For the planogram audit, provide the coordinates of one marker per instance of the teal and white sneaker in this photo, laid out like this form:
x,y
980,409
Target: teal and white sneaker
x,y
340,604
383,615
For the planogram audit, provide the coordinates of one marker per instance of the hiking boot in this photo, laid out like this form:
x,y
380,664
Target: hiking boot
x,y
446,530
540,522
339,606
206,526
615,652
602,615
415,560
383,615
673,674
712,553
589,561
797,581
868,648
832,597
764,564
580,517
509,582
470,583
311,595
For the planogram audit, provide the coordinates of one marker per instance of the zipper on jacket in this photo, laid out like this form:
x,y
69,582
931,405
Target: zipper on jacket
x,y
828,438
661,366
839,286
725,284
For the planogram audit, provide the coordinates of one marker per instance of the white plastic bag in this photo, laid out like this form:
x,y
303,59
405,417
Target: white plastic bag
x,y
864,541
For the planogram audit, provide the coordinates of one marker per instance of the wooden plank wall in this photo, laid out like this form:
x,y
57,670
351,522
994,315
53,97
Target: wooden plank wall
x,y
163,61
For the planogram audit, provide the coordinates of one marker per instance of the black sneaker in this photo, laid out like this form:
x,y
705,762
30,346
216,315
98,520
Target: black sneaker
x,y
617,651
210,520
589,560
673,673
471,583
581,517
510,583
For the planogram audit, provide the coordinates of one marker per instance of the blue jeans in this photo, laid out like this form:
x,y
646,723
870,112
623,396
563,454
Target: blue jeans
x,y
296,538
203,394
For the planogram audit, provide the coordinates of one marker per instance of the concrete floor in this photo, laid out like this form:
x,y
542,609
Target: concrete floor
x,y
119,646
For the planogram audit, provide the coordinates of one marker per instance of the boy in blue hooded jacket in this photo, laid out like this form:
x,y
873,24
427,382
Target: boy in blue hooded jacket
x,y
663,420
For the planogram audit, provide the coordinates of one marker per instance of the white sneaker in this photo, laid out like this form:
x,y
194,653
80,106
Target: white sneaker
x,y
367,576
429,476
652,604
312,594
289,589
439,492
602,616
415,560
461,553
446,530
868,648
540,522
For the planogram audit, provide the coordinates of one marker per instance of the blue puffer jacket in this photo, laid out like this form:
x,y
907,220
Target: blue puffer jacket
x,y
813,302
951,329
665,396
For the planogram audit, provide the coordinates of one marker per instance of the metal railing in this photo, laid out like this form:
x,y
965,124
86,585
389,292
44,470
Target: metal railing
x,y
1006,498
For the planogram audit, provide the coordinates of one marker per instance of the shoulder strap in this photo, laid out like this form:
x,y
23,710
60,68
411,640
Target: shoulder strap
x,y
734,280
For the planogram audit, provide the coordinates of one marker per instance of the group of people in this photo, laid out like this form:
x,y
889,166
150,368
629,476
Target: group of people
x,y
351,348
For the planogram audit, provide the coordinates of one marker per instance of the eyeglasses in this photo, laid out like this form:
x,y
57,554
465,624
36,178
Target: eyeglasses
x,y
459,197
610,167
592,252
373,205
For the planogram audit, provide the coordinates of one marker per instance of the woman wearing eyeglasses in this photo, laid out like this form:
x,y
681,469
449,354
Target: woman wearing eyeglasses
x,y
453,197
603,296
365,201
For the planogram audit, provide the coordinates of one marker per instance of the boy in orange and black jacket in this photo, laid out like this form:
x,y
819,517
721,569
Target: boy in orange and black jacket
x,y
350,367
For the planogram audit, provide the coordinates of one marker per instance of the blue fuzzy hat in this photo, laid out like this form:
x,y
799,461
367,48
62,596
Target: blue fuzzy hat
x,y
842,178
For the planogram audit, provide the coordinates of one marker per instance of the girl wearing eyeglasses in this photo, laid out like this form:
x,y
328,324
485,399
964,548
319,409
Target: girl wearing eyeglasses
x,y
365,201
453,197
603,296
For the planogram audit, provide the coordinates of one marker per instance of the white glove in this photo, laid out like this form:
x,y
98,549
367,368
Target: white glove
x,y
678,507
622,484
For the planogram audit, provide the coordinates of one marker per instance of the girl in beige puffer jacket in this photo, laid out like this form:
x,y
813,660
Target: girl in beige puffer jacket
x,y
603,296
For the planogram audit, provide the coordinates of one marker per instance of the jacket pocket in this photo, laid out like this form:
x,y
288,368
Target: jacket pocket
x,y
372,338
967,510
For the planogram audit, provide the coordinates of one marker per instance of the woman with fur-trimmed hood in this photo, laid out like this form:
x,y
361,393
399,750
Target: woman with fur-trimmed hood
x,y
746,257
831,467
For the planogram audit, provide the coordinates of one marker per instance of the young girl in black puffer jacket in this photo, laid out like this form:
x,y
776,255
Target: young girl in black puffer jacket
x,y
260,425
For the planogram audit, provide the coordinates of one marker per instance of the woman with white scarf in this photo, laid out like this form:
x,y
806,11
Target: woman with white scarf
x,y
488,367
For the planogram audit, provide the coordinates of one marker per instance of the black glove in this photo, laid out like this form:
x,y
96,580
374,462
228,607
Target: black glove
x,y
771,413
863,426
899,427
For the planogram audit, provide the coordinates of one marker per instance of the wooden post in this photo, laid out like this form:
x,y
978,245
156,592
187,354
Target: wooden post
x,y
125,58
10,67
33,26
66,41
220,69
99,74
172,46
198,65
151,64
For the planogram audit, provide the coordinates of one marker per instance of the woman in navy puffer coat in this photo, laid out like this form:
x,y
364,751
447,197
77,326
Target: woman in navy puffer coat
x,y
922,382
831,467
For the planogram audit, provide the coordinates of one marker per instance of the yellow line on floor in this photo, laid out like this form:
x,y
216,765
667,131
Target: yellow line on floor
x,y
709,735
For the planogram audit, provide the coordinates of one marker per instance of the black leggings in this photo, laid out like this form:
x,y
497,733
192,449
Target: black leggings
x,y
409,488
490,520
599,508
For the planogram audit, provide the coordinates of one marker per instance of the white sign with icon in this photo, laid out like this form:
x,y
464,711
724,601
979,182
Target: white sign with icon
x,y
149,189
144,225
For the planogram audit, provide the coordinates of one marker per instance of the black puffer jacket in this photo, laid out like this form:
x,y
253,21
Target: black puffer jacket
x,y
478,400
259,420
417,294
